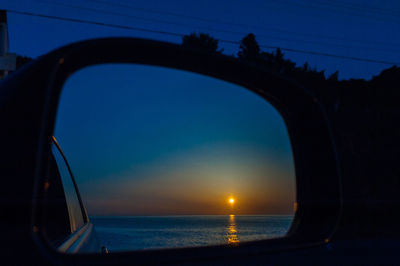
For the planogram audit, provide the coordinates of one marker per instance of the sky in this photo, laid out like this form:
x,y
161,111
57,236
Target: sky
x,y
145,140
356,28
133,153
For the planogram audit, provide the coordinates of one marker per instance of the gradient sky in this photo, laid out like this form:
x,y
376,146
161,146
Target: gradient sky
x,y
358,28
147,140
126,147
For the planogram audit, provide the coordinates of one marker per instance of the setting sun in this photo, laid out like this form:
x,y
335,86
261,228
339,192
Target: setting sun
x,y
231,200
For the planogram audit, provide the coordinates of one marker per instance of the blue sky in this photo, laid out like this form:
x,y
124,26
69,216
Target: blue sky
x,y
151,140
127,140
357,28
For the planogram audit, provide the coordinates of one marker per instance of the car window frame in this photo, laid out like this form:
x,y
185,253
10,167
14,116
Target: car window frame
x,y
71,175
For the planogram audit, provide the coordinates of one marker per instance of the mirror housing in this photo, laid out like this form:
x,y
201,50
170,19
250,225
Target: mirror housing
x,y
29,101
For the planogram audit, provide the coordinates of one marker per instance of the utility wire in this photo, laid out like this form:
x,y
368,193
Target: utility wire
x,y
107,12
221,22
359,8
368,7
334,9
82,21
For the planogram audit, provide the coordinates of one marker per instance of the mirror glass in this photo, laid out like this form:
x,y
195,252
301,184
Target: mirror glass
x,y
166,158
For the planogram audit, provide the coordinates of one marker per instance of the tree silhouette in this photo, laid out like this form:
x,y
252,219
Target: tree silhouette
x,y
306,67
279,61
201,41
249,49
279,55
334,77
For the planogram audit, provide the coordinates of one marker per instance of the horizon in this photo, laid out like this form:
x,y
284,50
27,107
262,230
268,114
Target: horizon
x,y
178,215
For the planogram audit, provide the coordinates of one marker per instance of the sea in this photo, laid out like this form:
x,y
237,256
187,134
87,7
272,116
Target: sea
x,y
122,233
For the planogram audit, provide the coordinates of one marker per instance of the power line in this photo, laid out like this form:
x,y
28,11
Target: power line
x,y
362,8
348,7
154,11
107,12
82,21
247,26
355,13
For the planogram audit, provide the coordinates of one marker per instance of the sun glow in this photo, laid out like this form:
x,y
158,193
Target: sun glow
x,y
231,201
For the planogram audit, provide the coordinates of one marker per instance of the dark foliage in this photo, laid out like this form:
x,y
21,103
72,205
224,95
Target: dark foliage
x,y
334,94
201,41
249,49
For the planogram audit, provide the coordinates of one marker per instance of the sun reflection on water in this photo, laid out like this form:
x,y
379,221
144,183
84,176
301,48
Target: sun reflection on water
x,y
232,231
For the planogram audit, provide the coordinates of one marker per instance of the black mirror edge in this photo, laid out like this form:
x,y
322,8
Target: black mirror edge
x,y
318,202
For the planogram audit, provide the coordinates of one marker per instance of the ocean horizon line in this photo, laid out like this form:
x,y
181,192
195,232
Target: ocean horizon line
x,y
181,215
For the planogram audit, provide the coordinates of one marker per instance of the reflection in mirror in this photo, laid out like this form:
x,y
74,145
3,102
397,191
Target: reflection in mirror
x,y
167,158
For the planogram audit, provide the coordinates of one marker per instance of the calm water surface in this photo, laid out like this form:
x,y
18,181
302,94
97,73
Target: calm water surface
x,y
148,232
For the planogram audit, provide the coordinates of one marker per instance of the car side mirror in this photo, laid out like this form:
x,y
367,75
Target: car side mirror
x,y
317,201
